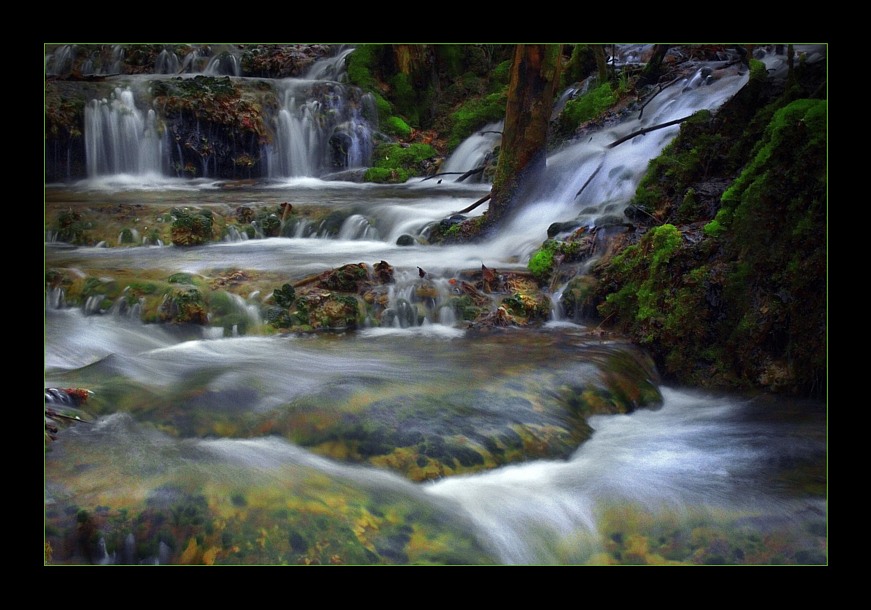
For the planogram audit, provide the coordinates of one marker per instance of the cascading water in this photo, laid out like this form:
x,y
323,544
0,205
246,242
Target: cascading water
x,y
121,139
198,455
474,151
322,125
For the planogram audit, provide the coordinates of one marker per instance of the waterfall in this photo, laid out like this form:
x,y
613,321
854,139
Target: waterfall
x,y
474,151
321,125
590,182
417,301
121,139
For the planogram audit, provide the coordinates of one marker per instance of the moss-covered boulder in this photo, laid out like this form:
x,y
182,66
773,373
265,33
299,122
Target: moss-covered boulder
x,y
191,228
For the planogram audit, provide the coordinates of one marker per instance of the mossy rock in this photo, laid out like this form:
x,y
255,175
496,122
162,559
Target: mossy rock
x,y
184,307
191,228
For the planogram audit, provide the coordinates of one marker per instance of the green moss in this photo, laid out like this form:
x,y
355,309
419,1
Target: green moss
x,y
71,228
474,114
284,296
405,96
586,107
714,228
395,126
500,76
541,262
385,175
667,189
758,71
191,228
398,162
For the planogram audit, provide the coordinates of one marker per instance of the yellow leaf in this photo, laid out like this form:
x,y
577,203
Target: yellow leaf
x,y
209,556
189,556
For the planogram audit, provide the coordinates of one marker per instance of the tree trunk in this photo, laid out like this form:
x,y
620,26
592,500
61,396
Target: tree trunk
x,y
535,75
601,63
652,71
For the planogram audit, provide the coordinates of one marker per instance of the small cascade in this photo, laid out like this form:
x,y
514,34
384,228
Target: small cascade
x,y
225,62
474,151
234,235
321,126
357,227
55,298
121,139
167,62
125,307
418,301
94,305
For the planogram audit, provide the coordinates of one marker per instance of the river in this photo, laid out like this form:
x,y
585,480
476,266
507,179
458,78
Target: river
x,y
186,452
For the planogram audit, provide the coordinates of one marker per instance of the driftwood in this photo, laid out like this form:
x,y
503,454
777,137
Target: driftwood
x,y
462,175
471,172
476,204
590,179
442,174
661,89
641,132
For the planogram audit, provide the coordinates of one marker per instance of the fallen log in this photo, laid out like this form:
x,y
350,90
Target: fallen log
x,y
641,132
476,204
442,174
471,172
590,179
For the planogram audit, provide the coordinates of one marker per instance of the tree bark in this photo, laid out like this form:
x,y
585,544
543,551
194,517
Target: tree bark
x,y
601,63
534,78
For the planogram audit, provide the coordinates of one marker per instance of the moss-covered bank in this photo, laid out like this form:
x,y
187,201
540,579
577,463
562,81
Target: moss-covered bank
x,y
724,279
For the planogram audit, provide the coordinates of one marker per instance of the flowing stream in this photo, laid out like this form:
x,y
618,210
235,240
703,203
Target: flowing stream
x,y
200,425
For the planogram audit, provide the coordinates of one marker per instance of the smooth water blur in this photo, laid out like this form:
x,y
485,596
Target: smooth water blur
x,y
701,458
707,478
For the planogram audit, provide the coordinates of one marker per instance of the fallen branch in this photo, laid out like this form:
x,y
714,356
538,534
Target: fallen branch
x,y
641,132
462,175
471,172
661,89
441,174
476,204
590,179
481,133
